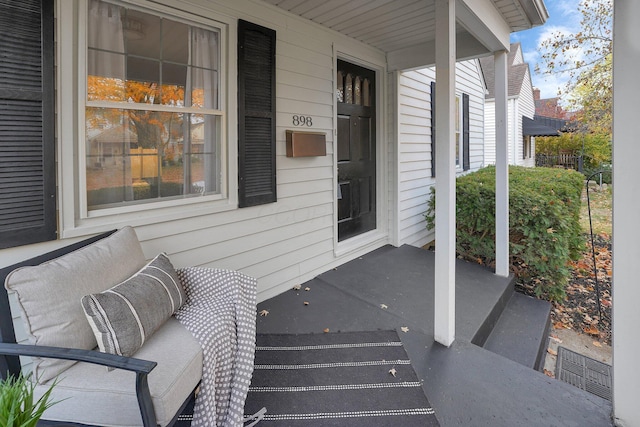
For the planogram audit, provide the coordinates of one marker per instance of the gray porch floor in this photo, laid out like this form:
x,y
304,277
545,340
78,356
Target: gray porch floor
x,y
466,384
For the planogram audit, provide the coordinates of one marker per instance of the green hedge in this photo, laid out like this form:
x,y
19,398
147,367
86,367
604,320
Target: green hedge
x,y
544,227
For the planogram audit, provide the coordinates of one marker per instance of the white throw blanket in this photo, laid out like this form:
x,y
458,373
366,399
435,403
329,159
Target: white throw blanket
x,y
220,312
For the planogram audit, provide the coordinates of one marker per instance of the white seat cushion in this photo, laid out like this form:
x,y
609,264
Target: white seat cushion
x,y
97,396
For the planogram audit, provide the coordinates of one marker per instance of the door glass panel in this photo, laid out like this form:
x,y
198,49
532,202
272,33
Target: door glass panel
x,y
366,97
348,89
340,87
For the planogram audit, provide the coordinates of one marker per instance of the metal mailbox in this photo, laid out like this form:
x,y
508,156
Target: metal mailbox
x,y
306,144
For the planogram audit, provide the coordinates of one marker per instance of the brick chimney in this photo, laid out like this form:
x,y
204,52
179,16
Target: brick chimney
x,y
536,94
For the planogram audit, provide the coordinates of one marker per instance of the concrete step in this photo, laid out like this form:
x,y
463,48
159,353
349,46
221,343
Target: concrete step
x,y
522,330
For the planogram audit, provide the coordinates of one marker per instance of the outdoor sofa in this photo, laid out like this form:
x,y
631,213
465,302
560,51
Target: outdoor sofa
x,y
149,389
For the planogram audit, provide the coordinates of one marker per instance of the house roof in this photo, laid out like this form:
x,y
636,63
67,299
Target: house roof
x,y
116,134
516,73
533,127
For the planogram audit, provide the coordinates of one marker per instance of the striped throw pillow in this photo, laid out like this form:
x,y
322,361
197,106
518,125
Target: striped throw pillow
x,y
125,316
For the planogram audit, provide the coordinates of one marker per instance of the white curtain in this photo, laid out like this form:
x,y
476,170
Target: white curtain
x,y
105,32
203,76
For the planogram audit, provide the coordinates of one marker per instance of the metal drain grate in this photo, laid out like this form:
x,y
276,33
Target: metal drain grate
x,y
584,372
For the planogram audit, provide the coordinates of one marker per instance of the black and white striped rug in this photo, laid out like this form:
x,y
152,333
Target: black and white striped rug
x,y
336,379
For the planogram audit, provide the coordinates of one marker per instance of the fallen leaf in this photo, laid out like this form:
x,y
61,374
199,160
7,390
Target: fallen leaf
x,y
404,329
556,339
306,303
297,287
592,331
307,289
550,230
383,306
549,373
597,344
264,313
558,325
325,330
393,371
552,352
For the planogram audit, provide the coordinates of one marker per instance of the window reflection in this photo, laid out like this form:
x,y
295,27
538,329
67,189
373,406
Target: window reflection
x,y
143,152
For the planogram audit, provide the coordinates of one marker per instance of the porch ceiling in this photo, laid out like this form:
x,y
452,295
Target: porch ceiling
x,y
398,25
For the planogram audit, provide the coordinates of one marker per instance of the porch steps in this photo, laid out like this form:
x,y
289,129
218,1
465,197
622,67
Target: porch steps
x,y
467,384
521,332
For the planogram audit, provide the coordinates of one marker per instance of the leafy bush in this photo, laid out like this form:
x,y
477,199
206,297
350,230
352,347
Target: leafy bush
x,y
595,148
18,407
544,227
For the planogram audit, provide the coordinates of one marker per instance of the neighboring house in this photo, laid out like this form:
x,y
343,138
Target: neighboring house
x,y
416,158
520,107
549,107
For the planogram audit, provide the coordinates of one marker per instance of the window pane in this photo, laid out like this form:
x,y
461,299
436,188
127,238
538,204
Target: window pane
x,y
106,26
174,81
457,114
109,140
205,88
143,77
202,157
105,80
204,73
142,34
175,37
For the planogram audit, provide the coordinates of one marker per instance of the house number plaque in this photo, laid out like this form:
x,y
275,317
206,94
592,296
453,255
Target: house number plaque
x,y
302,121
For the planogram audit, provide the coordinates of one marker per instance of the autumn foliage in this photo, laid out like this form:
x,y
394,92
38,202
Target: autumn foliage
x,y
544,228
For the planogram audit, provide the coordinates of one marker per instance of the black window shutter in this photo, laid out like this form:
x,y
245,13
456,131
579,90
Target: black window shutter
x,y
27,158
256,114
466,161
433,129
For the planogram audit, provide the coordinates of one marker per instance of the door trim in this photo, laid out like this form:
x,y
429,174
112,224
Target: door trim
x,y
380,235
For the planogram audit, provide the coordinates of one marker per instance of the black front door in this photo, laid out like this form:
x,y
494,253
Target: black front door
x,y
356,150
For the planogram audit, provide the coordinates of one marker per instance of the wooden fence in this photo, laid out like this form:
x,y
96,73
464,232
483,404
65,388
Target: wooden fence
x,y
566,161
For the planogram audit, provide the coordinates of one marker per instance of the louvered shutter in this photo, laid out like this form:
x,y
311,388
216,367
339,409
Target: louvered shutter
x,y
256,114
433,129
466,161
27,161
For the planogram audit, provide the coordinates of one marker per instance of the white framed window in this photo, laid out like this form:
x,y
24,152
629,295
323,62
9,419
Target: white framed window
x,y
153,111
145,130
459,150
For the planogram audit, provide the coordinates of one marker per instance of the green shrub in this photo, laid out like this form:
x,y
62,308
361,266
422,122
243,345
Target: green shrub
x,y
544,227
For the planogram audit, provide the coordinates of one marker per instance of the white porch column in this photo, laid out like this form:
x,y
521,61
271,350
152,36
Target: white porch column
x,y
502,166
445,272
626,205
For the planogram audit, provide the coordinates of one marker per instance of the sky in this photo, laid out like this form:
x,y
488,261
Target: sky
x,y
563,16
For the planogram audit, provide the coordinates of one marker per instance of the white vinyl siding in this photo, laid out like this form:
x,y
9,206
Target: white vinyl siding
x,y
527,108
283,243
414,143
